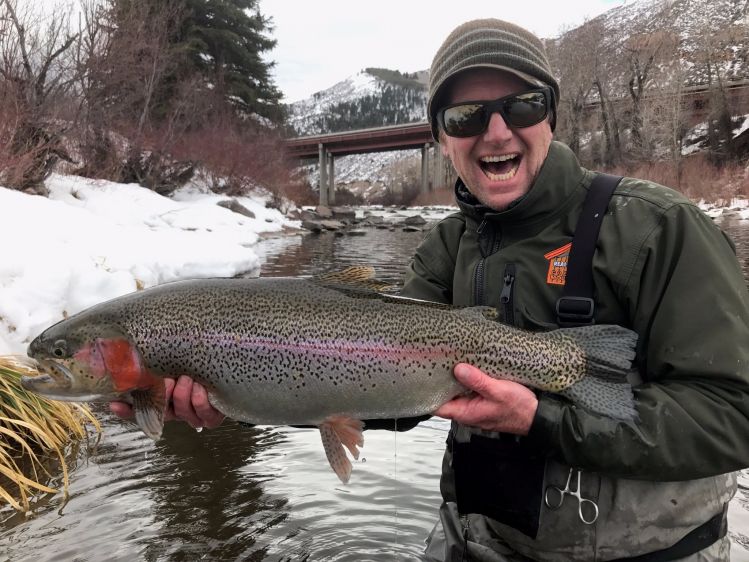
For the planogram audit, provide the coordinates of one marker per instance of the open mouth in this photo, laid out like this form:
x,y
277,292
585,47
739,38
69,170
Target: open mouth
x,y
51,374
501,167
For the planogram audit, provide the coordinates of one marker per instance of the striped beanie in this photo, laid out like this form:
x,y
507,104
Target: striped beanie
x,y
488,43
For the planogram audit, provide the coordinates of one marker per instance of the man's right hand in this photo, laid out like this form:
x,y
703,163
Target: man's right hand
x,y
186,400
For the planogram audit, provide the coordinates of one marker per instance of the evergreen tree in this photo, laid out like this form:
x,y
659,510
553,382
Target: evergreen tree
x,y
225,40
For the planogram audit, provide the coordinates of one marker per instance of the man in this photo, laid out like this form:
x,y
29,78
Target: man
x,y
651,489
660,484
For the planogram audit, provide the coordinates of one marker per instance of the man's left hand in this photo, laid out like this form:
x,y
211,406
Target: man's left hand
x,y
497,405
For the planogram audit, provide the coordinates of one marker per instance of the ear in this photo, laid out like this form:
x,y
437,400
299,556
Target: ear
x,y
443,145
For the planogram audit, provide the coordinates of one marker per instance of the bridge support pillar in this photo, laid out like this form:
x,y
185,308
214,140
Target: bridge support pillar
x,y
331,180
438,178
323,166
425,168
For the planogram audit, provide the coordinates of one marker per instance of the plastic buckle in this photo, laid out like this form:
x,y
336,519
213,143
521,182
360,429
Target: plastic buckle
x,y
575,311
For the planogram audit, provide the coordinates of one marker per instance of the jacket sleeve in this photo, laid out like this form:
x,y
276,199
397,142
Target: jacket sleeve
x,y
688,302
429,276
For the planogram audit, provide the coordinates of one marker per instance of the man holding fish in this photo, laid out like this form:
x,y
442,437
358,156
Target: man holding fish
x,y
650,474
662,482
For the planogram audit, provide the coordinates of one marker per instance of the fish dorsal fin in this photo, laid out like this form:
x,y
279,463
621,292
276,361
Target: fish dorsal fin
x,y
355,277
336,433
479,312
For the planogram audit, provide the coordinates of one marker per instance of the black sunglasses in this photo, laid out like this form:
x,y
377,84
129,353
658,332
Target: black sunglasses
x,y
471,118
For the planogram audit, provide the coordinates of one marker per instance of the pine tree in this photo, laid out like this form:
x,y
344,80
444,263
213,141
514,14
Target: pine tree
x,y
225,40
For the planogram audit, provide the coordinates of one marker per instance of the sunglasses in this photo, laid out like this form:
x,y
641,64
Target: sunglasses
x,y
471,118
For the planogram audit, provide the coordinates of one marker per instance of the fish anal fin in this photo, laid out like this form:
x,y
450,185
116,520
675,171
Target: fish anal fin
x,y
336,433
148,407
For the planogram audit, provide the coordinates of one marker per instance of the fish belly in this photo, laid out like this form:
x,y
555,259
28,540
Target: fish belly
x,y
308,387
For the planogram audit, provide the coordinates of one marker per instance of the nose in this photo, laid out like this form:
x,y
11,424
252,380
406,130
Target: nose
x,y
497,131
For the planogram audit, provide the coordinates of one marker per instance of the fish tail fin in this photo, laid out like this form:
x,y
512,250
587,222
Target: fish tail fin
x,y
336,433
605,397
609,351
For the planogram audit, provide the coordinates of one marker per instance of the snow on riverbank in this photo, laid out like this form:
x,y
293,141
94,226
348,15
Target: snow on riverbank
x,y
92,240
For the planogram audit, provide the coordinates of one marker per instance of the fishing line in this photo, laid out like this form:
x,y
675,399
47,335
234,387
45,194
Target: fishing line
x,y
395,478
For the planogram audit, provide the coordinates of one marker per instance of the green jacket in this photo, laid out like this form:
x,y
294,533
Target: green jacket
x,y
661,268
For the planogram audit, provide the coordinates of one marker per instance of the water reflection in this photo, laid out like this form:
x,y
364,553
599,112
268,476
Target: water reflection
x,y
238,493
312,254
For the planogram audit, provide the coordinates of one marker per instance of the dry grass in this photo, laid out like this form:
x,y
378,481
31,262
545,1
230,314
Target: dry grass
x,y
437,197
32,429
696,177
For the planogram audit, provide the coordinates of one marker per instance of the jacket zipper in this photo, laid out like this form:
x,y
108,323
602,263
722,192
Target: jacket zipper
x,y
478,275
506,297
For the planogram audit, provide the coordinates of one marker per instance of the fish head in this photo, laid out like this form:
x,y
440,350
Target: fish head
x,y
83,360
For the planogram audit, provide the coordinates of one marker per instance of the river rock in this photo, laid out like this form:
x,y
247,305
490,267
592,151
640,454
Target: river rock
x,y
237,207
372,220
324,212
343,213
416,220
356,232
307,215
332,225
313,226
411,229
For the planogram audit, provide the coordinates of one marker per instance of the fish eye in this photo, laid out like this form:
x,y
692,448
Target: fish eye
x,y
59,348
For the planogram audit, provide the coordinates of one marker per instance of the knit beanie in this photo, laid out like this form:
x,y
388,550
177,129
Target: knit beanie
x,y
488,43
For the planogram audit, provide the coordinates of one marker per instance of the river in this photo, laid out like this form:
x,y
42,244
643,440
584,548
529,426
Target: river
x,y
237,493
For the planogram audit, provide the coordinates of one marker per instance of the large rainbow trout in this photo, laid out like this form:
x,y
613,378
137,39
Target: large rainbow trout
x,y
314,352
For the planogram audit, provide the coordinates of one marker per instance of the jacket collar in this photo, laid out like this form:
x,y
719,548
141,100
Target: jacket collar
x,y
551,193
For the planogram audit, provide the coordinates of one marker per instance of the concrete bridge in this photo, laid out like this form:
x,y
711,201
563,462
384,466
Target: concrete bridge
x,y
326,147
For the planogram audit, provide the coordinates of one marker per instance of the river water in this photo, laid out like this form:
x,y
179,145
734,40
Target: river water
x,y
264,493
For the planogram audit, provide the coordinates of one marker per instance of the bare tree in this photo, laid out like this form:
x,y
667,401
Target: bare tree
x,y
36,75
573,56
716,56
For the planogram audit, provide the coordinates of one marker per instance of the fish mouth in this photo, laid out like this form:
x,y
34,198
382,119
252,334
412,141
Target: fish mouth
x,y
53,378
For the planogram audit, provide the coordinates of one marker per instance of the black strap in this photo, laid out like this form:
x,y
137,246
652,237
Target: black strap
x,y
694,541
576,307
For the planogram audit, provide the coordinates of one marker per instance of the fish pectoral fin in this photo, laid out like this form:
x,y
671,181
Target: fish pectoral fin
x,y
148,407
336,433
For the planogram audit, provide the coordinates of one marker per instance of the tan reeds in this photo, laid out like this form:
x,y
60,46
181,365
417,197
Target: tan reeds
x,y
31,429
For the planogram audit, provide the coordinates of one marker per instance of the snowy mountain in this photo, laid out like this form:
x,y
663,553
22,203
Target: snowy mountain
x,y
372,98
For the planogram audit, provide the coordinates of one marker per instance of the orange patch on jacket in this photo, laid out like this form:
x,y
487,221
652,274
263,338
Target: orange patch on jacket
x,y
558,259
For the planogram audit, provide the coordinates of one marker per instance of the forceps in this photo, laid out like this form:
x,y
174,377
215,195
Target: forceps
x,y
554,497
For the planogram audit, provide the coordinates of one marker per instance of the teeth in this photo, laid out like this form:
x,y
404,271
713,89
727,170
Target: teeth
x,y
500,158
501,177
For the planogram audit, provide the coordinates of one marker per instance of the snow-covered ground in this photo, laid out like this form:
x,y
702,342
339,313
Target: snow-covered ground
x,y
92,240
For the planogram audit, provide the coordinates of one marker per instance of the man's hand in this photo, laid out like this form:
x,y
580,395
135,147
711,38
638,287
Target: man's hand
x,y
497,405
186,400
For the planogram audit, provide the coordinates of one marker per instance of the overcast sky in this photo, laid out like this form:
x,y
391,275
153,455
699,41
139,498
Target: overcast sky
x,y
322,42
